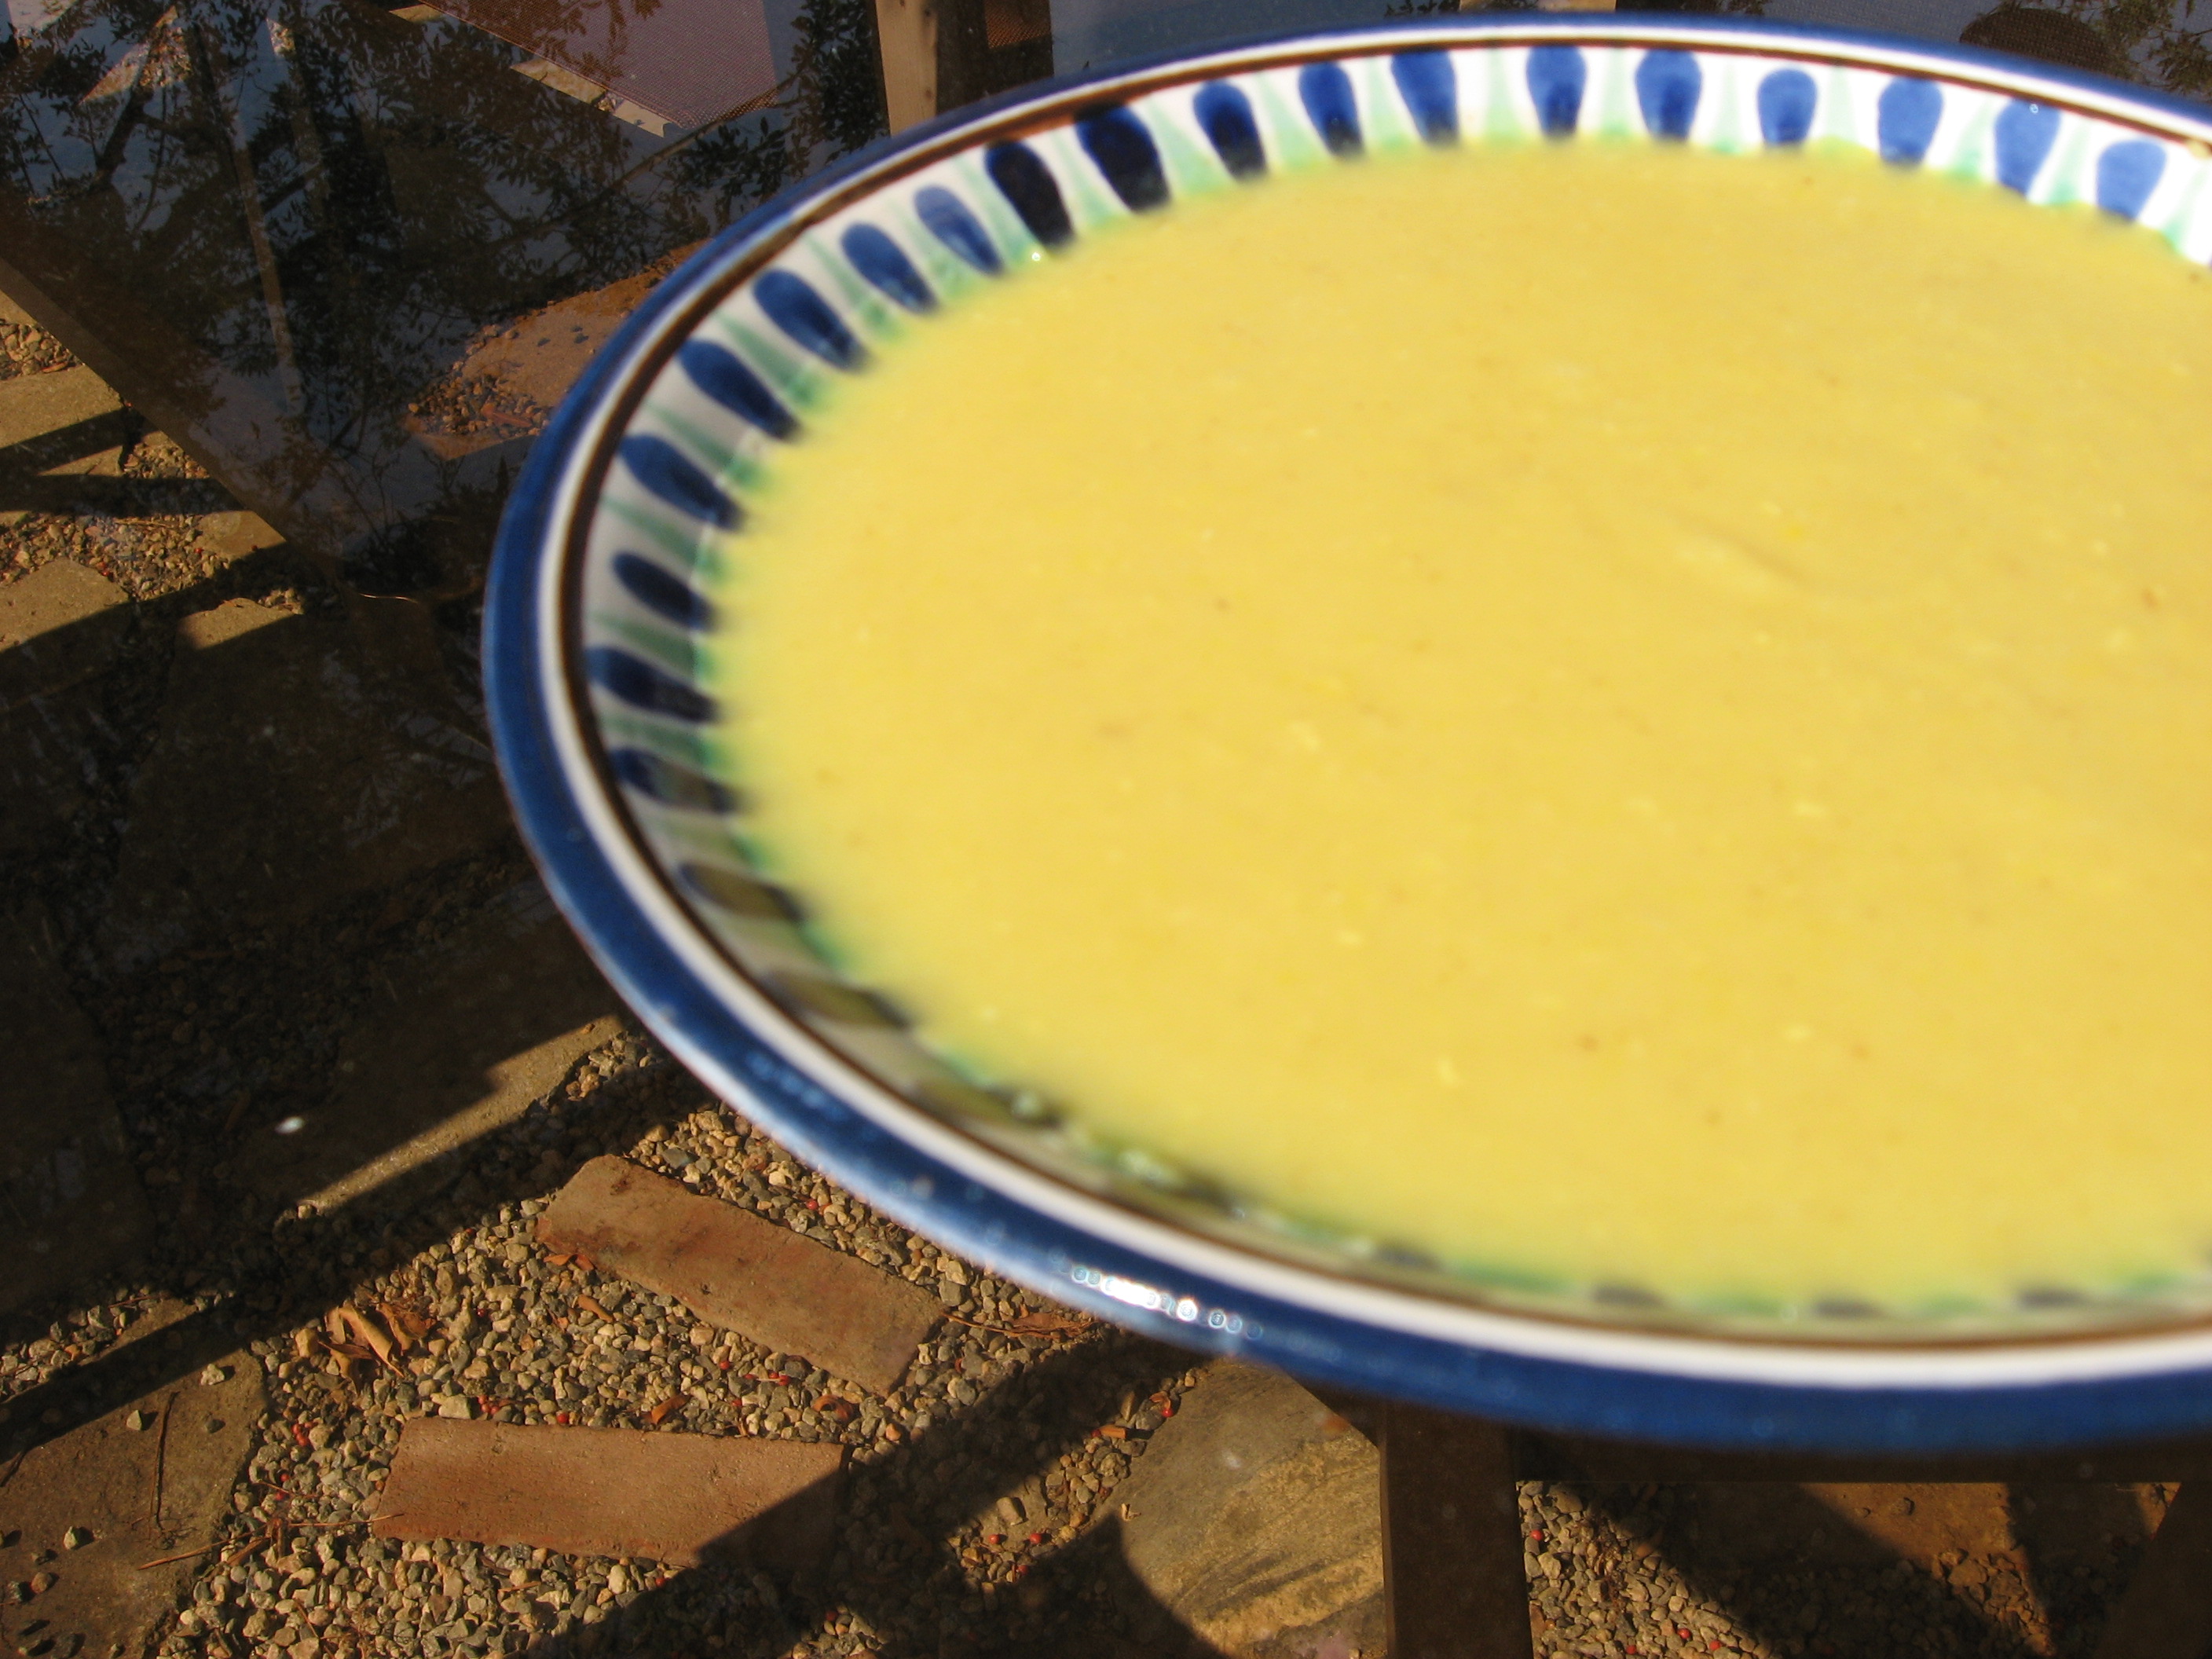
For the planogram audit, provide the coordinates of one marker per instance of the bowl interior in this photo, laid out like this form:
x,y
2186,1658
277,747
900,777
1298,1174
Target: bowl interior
x,y
654,497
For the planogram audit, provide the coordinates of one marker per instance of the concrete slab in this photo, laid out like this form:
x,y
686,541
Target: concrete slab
x,y
59,625
300,758
75,1212
68,423
683,1498
147,1497
33,406
1255,1518
229,537
491,1025
741,1272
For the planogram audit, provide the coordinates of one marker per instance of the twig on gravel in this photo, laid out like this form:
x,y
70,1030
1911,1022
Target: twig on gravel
x,y
181,1555
161,1459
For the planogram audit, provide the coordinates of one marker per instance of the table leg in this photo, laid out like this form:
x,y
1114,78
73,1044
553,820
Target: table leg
x,y
1451,1539
2167,1613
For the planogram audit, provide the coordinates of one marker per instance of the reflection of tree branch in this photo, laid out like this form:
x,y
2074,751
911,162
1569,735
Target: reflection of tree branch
x,y
2159,43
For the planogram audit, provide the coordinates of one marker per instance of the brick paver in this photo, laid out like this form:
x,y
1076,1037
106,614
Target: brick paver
x,y
739,1272
683,1498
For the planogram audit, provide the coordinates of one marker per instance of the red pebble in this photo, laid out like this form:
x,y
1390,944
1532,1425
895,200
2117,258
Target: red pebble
x,y
300,1434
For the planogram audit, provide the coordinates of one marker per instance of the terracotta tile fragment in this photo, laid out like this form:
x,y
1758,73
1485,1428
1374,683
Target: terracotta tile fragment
x,y
735,1270
682,1499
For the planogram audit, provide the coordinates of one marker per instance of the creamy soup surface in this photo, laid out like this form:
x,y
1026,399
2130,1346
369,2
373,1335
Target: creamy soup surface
x,y
1605,711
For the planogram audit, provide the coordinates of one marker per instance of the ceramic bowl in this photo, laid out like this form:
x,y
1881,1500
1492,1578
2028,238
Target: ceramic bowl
x,y
600,614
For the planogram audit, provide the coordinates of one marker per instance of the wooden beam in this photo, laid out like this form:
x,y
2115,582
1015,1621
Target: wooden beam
x,y
1451,1539
2168,1611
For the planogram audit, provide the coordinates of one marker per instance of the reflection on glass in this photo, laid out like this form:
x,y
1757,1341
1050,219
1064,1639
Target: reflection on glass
x,y
286,220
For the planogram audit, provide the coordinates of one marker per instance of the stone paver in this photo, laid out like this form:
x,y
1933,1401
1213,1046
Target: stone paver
x,y
300,758
1255,1521
59,625
107,1525
74,1210
745,1274
682,1499
491,1024
58,429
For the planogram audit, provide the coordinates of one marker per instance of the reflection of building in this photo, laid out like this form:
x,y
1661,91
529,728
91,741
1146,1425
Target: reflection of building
x,y
692,62
2056,37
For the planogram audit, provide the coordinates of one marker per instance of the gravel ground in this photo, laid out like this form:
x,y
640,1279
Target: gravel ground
x,y
969,1522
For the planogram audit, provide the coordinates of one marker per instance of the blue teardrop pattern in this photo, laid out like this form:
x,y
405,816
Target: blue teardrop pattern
x,y
1906,120
662,592
671,476
1031,191
810,320
1667,85
642,685
1430,87
1121,146
1557,75
884,265
740,895
1225,115
670,784
2127,173
724,377
2025,134
1787,99
946,217
1326,91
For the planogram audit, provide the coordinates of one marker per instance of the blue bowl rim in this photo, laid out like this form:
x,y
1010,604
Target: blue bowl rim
x,y
1685,1390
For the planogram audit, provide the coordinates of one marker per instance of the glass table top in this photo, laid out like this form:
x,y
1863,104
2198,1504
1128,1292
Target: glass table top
x,y
289,230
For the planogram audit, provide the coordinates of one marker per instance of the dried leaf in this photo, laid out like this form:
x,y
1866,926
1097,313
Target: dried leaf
x,y
408,1327
366,1329
590,1305
667,1408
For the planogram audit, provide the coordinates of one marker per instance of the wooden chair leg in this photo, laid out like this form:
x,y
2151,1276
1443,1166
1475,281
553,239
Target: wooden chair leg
x,y
1451,1539
2167,1613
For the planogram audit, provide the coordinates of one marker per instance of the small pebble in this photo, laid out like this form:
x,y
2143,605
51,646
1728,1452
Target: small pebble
x,y
76,1538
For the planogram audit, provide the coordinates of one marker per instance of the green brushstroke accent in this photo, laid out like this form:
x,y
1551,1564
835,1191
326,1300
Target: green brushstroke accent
x,y
1972,157
1389,127
669,540
1616,115
1836,117
671,744
1193,168
880,319
1727,82
785,371
2182,220
2066,183
733,464
1090,206
672,653
949,274
1010,236
1290,141
1502,122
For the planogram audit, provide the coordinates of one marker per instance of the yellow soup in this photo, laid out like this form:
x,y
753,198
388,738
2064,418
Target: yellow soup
x,y
1600,710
